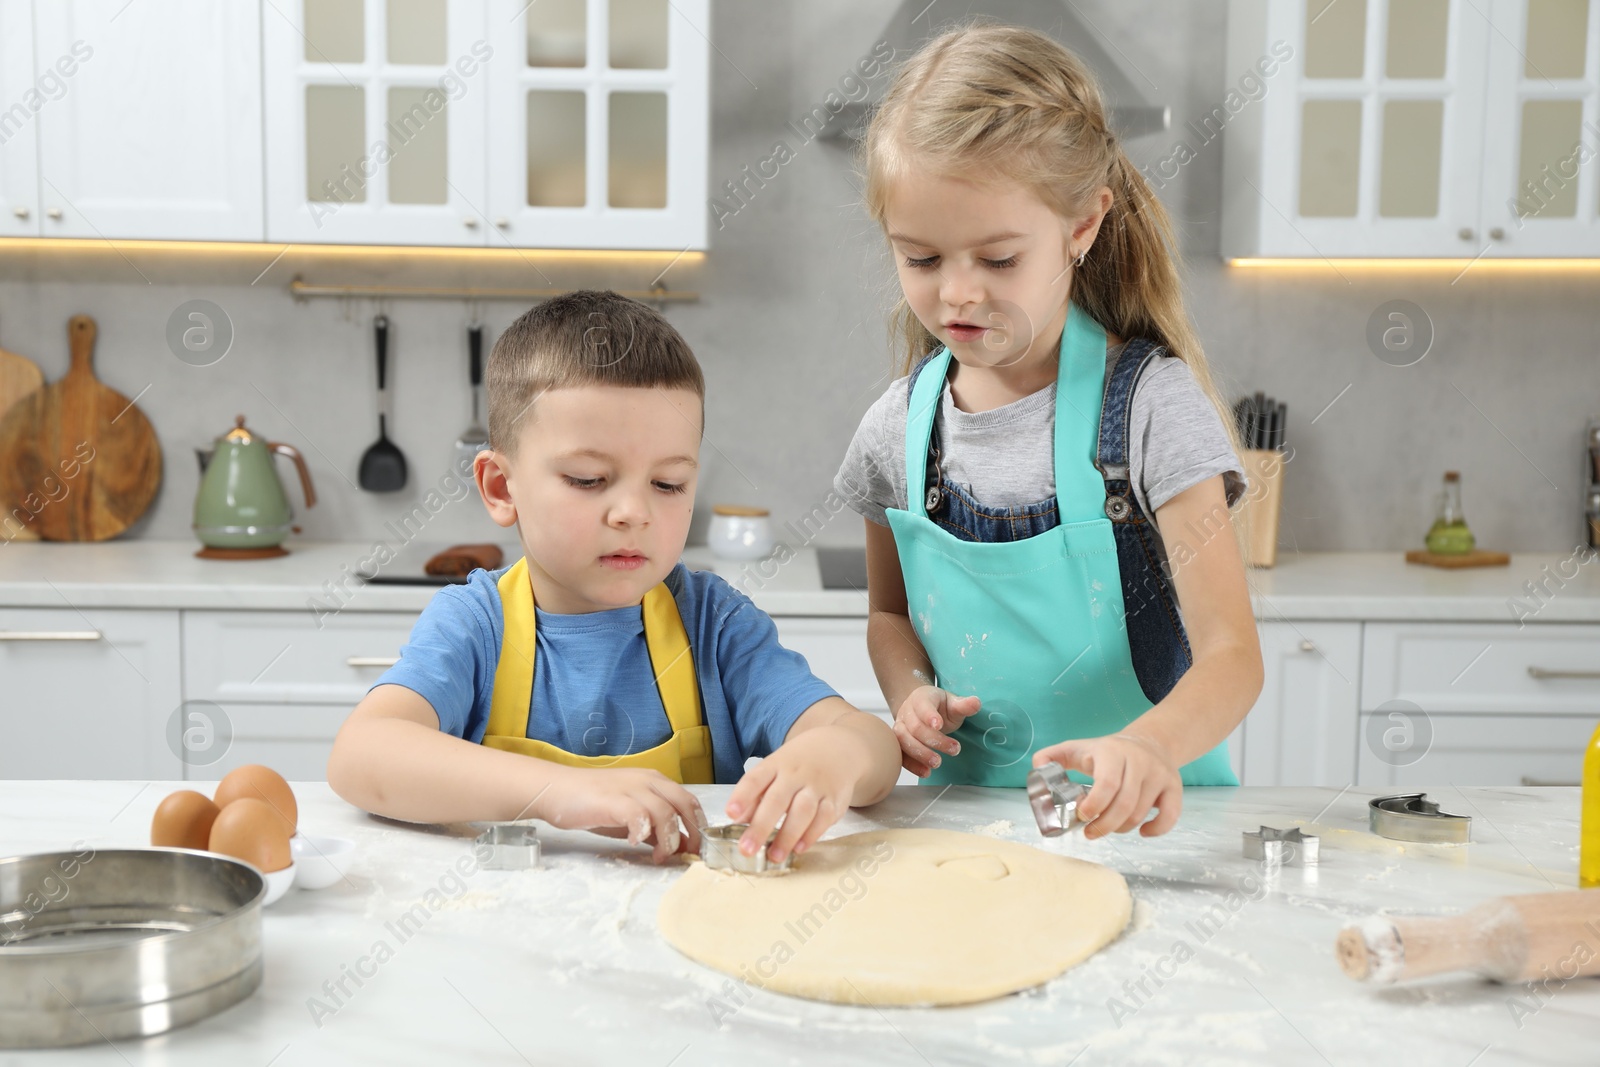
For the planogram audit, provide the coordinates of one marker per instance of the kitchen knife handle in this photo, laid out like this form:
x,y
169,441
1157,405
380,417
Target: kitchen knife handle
x,y
475,354
380,330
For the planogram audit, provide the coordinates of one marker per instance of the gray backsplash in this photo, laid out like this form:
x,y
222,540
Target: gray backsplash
x,y
789,327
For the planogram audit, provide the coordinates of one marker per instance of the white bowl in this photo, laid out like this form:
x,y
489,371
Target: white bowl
x,y
278,883
320,861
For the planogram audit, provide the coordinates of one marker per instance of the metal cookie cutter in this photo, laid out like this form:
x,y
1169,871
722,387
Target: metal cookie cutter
x,y
1413,817
719,849
512,846
1281,848
1054,799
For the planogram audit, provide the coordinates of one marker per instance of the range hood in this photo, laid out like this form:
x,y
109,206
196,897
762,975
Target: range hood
x,y
916,21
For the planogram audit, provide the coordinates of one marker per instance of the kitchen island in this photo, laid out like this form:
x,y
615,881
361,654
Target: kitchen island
x,y
408,961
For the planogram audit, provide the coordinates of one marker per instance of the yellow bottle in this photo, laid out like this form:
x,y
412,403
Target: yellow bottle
x,y
1589,832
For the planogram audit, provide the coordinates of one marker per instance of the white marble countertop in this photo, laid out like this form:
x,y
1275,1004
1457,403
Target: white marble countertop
x,y
1311,585
563,964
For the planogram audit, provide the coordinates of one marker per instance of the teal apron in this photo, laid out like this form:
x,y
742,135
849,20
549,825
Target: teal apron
x,y
1033,628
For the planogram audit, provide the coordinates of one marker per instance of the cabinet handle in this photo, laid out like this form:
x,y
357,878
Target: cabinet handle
x,y
503,222
470,223
54,213
49,635
1545,672
21,212
1465,233
1497,234
1545,781
1307,646
371,661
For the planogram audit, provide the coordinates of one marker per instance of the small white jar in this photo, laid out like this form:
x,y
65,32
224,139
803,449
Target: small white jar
x,y
739,532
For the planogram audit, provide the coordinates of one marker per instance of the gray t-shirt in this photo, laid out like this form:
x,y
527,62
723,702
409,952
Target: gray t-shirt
x,y
1004,457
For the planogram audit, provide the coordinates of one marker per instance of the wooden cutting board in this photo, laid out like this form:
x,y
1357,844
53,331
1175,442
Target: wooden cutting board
x,y
19,376
79,452
1478,557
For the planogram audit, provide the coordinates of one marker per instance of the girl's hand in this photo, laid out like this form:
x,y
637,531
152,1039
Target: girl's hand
x,y
1131,775
922,722
807,783
641,805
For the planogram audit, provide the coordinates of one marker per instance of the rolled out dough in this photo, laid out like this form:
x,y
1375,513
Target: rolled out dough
x,y
900,917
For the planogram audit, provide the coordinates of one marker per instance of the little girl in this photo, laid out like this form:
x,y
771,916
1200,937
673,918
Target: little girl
x,y
1052,477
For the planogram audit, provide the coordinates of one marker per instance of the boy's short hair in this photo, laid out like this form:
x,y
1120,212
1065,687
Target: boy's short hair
x,y
585,337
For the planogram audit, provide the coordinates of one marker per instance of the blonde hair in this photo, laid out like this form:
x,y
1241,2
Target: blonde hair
x,y
983,101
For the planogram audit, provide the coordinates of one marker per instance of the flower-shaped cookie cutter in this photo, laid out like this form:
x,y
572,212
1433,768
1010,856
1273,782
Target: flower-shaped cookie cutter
x,y
719,849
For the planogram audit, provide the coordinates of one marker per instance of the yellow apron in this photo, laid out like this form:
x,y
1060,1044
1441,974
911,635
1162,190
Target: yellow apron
x,y
685,757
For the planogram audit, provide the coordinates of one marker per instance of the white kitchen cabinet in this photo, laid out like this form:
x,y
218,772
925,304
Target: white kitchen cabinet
x,y
599,123
565,124
1484,668
156,132
1478,703
292,739
89,694
1408,128
285,657
1481,750
24,97
836,651
282,684
1302,730
375,120
1540,196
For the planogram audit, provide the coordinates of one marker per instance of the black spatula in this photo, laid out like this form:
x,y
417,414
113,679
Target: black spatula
x,y
383,466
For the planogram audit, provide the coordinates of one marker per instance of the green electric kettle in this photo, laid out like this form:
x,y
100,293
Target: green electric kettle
x,y
241,510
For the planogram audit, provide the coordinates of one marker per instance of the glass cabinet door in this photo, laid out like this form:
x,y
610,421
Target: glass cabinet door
x,y
1540,195
599,125
1388,114
376,121
1362,136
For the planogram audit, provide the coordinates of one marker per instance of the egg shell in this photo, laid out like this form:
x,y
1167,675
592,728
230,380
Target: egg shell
x,y
183,820
260,783
248,829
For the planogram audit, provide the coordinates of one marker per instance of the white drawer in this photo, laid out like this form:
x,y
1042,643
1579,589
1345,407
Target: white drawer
x,y
1482,750
282,657
89,694
1483,667
292,739
836,649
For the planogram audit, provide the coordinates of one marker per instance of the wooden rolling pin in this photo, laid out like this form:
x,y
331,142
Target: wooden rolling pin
x,y
1508,939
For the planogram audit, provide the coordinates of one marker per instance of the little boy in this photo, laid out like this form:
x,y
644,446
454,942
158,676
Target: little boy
x,y
621,672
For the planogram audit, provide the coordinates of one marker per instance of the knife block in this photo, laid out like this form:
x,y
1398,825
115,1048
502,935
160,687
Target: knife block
x,y
1256,513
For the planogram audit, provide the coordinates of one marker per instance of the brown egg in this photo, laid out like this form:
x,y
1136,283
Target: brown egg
x,y
183,820
248,829
263,784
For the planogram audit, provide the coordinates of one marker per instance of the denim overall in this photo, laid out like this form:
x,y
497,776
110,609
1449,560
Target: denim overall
x,y
1027,597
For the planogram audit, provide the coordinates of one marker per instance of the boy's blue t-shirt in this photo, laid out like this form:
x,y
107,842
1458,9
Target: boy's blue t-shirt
x,y
594,691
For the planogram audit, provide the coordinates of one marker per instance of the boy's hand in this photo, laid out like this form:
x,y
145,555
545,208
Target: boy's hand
x,y
922,723
807,783
1131,775
641,805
